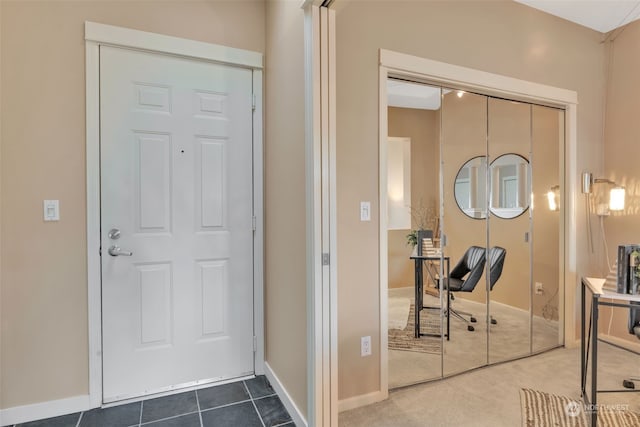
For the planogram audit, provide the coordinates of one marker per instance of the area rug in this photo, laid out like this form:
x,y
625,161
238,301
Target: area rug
x,y
404,340
398,312
540,409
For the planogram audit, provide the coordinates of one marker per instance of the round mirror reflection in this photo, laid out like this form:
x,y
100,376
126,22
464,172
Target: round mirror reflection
x,y
470,188
510,186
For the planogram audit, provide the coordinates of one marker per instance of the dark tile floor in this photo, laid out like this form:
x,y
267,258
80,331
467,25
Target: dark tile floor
x,y
242,404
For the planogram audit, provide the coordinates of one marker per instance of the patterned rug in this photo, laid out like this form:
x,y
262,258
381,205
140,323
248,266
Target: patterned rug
x,y
540,409
404,339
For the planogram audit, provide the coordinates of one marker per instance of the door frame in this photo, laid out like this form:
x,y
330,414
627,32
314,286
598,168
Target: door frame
x,y
97,35
449,75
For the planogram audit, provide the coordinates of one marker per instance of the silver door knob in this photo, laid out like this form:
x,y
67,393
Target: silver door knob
x,y
115,250
114,234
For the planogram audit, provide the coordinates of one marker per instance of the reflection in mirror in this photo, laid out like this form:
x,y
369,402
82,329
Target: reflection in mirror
x,y
470,188
509,186
509,229
547,130
464,182
412,192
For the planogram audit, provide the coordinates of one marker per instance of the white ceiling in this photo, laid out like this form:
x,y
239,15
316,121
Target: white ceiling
x,y
600,15
412,95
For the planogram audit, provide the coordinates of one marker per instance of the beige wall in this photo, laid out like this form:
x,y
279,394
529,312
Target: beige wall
x,y
499,37
44,284
285,252
422,127
621,154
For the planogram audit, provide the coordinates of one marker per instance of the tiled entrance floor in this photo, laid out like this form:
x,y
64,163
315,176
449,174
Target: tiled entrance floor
x,y
250,403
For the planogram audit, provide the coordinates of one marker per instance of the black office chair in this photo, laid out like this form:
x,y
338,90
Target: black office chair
x,y
471,266
634,329
496,263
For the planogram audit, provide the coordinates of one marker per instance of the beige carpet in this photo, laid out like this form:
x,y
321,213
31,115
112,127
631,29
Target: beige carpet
x,y
404,339
540,409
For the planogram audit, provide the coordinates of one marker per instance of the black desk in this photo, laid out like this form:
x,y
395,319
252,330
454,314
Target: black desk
x,y
419,289
622,300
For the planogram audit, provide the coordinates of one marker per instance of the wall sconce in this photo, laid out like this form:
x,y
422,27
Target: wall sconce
x,y
616,194
553,197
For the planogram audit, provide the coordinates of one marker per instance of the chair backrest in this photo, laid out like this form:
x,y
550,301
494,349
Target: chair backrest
x,y
496,263
472,262
634,320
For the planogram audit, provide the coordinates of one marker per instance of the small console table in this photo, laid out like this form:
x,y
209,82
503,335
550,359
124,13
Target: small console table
x,y
595,287
419,289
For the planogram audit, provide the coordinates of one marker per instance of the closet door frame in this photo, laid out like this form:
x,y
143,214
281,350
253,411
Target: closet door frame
x,y
395,64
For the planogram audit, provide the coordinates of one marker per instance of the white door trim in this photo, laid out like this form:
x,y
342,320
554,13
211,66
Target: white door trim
x,y
320,147
440,73
100,34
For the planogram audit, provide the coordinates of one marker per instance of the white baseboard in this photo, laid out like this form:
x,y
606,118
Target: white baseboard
x,y
361,400
288,403
38,411
629,345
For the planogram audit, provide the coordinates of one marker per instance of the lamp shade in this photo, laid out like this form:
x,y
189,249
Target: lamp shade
x,y
616,198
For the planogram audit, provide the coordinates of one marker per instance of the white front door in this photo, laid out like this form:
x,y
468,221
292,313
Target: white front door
x,y
176,192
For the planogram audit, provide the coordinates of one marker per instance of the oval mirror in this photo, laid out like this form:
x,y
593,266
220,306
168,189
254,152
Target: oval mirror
x,y
510,186
470,189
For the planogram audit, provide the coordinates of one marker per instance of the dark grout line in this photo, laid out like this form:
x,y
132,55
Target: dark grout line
x,y
254,404
224,406
264,397
199,410
169,418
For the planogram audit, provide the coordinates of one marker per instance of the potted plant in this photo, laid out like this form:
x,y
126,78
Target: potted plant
x,y
423,217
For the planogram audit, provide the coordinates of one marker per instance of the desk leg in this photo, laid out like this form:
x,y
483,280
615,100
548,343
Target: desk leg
x,y
448,301
594,360
583,343
418,296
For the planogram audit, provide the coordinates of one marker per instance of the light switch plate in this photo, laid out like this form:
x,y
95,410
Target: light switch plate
x,y
51,210
365,211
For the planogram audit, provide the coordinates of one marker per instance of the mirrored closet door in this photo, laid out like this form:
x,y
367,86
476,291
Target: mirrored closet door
x,y
481,178
464,212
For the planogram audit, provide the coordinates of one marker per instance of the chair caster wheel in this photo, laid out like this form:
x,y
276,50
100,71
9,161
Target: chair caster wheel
x,y
473,320
494,322
470,328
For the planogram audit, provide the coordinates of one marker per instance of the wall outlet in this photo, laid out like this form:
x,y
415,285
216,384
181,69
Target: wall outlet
x,y
365,346
539,289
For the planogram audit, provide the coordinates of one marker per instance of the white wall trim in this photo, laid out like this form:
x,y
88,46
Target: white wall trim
x,y
439,73
117,36
94,274
488,83
286,399
361,400
333,220
383,234
258,235
37,411
320,147
97,35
